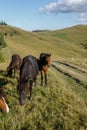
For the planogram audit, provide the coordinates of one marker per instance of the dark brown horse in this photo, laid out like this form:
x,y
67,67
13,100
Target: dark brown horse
x,y
14,64
3,105
44,61
28,73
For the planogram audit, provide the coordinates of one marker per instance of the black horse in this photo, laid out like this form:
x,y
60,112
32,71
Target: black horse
x,y
28,73
44,64
14,64
29,70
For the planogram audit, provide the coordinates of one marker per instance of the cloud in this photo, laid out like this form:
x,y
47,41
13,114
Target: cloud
x,y
82,17
65,6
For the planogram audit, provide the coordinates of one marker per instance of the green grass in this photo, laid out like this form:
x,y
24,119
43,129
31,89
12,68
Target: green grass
x,y
62,105
55,107
1,57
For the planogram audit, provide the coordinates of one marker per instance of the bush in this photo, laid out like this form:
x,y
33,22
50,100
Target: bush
x,y
2,42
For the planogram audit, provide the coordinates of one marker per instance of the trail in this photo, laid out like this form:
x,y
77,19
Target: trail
x,y
77,74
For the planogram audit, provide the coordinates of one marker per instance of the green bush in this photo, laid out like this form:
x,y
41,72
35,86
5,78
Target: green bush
x,y
2,42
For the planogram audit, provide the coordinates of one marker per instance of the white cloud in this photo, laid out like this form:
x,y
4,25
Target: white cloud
x,y
65,6
82,17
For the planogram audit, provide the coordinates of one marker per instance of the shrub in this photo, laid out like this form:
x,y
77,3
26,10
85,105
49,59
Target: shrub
x,y
2,42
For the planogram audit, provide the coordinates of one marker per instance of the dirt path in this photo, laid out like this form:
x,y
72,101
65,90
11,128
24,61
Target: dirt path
x,y
72,72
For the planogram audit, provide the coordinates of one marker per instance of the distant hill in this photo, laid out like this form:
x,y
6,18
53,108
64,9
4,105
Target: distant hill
x,y
65,43
75,33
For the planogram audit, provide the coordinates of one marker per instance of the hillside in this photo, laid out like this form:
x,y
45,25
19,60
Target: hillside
x,y
62,105
70,41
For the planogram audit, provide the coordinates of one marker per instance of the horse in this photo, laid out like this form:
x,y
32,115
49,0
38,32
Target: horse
x,y
28,72
44,60
14,64
3,105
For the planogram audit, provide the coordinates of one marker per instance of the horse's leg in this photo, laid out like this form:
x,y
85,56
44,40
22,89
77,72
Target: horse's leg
x,y
45,78
14,72
31,83
42,78
35,82
10,72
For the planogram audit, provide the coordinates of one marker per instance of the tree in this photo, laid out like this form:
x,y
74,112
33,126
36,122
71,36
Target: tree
x,y
3,22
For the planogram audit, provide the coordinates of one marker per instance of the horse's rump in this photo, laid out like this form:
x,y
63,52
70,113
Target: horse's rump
x,y
15,61
14,64
29,68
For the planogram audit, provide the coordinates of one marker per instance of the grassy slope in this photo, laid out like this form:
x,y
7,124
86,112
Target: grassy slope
x,y
62,43
67,41
60,105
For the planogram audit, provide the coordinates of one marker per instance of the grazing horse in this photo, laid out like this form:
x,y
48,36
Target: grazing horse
x,y
3,105
14,64
44,60
28,72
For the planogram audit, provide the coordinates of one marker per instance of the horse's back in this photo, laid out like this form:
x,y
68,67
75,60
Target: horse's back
x,y
33,60
29,68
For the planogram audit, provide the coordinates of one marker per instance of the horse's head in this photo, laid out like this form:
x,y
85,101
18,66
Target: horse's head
x,y
3,105
48,59
22,89
45,59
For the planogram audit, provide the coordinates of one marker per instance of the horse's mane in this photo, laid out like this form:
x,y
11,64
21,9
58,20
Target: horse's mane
x,y
44,55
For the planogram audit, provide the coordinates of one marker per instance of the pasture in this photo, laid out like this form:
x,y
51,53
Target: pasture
x,y
62,104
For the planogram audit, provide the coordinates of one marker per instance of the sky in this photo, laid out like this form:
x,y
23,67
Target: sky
x,y
43,14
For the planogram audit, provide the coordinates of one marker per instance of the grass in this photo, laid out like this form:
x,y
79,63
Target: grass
x,y
1,57
62,105
77,75
52,108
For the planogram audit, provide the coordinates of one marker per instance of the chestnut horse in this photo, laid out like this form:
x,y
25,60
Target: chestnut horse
x,y
44,60
28,73
3,105
14,64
